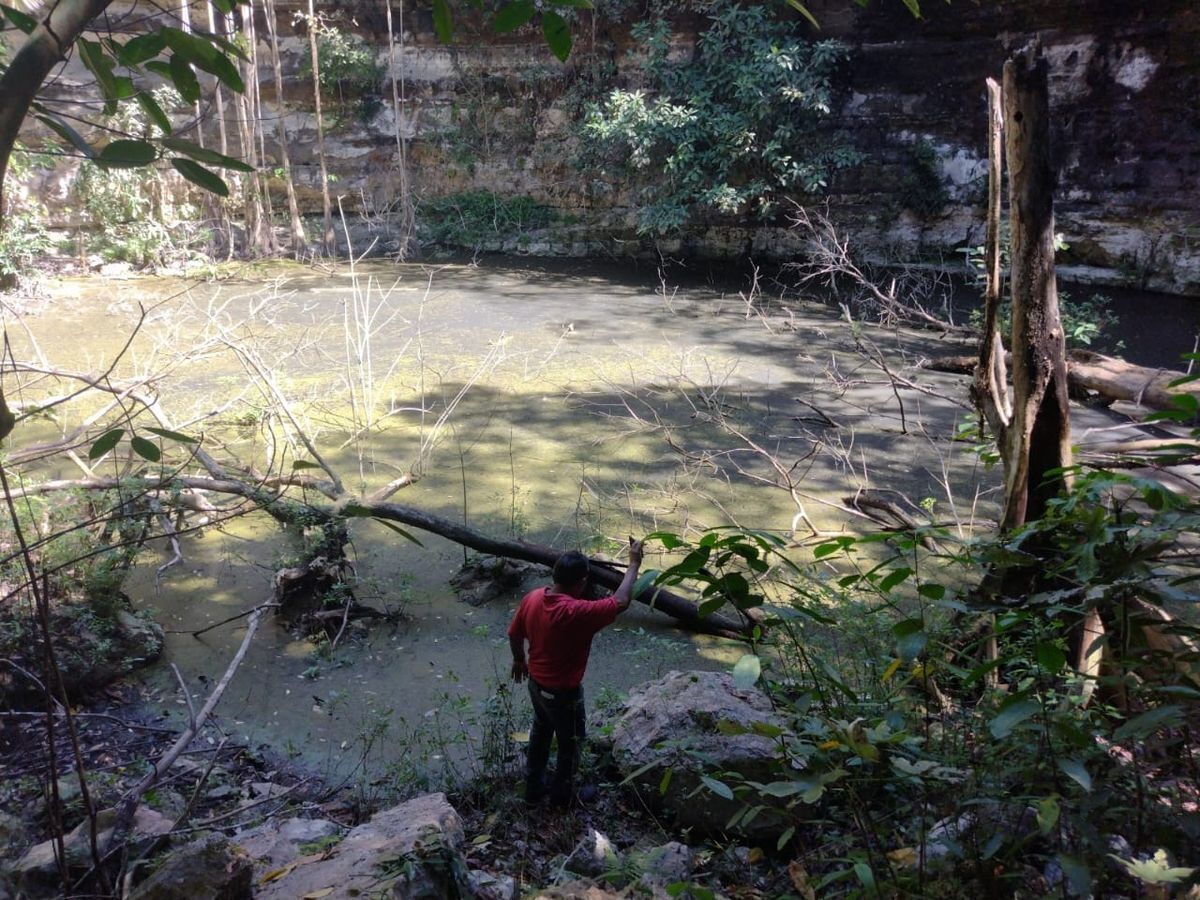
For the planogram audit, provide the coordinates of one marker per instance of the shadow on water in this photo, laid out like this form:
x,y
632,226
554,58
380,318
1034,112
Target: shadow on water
x,y
582,401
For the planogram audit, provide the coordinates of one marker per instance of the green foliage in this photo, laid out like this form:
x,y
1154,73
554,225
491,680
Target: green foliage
x,y
477,218
123,198
935,770
729,131
1086,323
350,73
922,190
122,69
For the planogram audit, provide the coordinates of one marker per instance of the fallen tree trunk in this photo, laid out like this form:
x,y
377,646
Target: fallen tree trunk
x,y
286,510
679,608
1107,376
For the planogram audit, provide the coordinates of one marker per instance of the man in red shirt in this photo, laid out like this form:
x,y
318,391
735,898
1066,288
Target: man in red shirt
x,y
559,626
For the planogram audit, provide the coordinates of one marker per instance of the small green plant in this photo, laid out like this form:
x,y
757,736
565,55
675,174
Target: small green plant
x,y
351,75
1086,323
476,218
922,190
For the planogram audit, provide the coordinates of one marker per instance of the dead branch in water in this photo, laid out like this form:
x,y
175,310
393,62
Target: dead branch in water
x,y
827,260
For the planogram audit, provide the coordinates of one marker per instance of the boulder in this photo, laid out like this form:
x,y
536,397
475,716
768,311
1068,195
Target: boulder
x,y
413,851
487,886
580,890
277,842
672,723
38,868
660,867
210,868
593,856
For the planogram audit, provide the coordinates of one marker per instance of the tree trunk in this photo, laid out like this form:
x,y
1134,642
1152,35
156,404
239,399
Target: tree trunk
x,y
1038,439
266,231
990,388
327,236
185,20
407,214
297,227
220,211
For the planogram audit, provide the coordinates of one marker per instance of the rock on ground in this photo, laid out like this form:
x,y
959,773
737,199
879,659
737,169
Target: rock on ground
x,y
413,850
278,841
37,870
210,868
673,723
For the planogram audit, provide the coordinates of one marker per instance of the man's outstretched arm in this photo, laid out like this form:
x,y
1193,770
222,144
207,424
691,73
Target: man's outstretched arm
x,y
520,669
624,593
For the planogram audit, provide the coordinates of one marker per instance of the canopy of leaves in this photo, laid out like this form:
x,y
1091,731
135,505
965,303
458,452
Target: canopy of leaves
x,y
728,130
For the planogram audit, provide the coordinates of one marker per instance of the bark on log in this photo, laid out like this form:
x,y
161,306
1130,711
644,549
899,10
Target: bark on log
x,y
286,510
1107,376
679,608
1120,380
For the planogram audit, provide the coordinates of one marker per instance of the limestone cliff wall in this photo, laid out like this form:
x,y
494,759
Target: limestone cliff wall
x,y
496,114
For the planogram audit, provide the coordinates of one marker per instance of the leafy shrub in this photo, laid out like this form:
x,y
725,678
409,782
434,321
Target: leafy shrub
x,y
1086,323
729,130
913,762
922,190
133,218
350,73
475,218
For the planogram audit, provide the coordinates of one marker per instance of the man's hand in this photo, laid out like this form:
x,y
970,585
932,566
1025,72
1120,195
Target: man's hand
x,y
624,592
520,671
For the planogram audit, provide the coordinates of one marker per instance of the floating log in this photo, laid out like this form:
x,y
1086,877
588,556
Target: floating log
x,y
679,608
1112,378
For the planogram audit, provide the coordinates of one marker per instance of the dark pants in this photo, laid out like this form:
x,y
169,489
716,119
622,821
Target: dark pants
x,y
556,714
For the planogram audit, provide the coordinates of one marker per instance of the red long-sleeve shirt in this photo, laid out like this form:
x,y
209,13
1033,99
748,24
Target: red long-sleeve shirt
x,y
560,629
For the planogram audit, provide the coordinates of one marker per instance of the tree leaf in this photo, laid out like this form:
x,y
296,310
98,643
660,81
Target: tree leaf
x,y
1077,772
155,112
140,49
720,788
400,531
1050,657
22,21
932,591
513,16
67,133
894,578
558,35
173,435
669,539
443,22
105,442
803,10
145,448
198,175
184,78
910,638
205,155
1012,715
126,154
1148,722
746,671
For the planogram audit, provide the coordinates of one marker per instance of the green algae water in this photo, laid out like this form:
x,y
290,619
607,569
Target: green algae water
x,y
571,405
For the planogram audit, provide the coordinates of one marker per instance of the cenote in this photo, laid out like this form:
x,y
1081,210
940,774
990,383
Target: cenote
x,y
570,405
